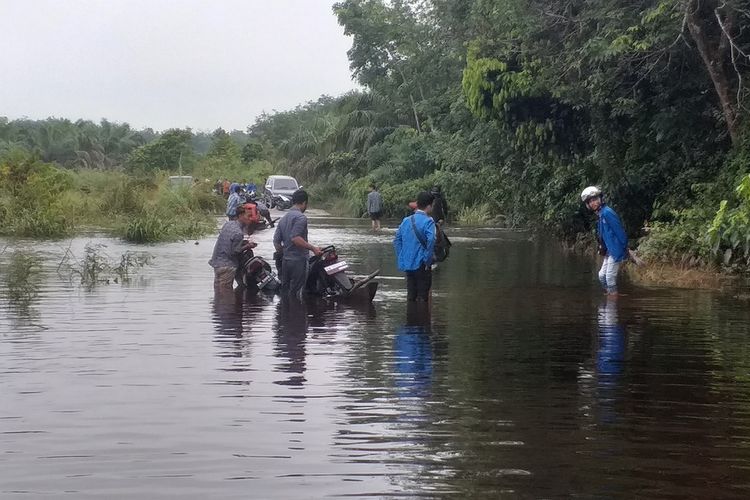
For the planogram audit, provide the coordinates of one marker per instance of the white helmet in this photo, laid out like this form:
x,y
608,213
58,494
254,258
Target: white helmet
x,y
590,192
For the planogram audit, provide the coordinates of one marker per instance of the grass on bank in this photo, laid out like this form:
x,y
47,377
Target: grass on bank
x,y
41,200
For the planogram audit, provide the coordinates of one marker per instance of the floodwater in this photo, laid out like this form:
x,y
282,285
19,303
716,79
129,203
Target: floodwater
x,y
522,382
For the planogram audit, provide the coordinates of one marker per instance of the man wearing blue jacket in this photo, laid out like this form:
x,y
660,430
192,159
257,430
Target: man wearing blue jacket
x,y
415,244
613,242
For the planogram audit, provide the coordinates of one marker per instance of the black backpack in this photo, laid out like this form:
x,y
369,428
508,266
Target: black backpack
x,y
442,243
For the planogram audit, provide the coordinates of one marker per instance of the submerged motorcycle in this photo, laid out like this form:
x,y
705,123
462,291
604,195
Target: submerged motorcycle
x,y
256,275
328,278
279,201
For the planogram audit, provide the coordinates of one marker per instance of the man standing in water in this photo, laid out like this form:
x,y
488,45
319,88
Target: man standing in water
x,y
290,239
439,206
415,244
228,248
375,206
613,242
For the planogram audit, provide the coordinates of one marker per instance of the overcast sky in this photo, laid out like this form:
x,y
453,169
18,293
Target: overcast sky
x,y
168,63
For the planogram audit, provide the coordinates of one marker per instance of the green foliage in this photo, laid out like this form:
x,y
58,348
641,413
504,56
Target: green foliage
x,y
682,242
729,232
211,169
251,152
97,267
41,200
170,214
30,203
477,215
21,279
224,147
169,152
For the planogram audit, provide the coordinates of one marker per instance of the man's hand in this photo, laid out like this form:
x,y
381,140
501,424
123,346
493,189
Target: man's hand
x,y
249,244
316,251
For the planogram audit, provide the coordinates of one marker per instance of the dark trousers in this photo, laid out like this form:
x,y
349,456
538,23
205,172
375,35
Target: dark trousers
x,y
418,284
293,277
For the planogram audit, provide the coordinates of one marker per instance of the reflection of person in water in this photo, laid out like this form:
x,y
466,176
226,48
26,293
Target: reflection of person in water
x,y
610,356
413,352
291,335
227,319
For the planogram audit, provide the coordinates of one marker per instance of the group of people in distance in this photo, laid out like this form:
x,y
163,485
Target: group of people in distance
x,y
222,187
414,242
238,196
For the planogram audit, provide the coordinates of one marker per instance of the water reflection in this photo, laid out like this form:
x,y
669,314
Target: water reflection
x,y
413,353
610,356
291,336
234,313
143,391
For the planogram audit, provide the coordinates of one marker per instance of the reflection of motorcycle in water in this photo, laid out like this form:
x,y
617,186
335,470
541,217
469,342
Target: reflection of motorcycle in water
x,y
328,278
256,274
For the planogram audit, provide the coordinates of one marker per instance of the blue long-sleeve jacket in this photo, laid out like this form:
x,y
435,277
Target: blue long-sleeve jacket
x,y
410,253
232,203
612,233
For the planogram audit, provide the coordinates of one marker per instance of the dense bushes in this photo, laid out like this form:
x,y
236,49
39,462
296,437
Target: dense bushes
x,y
41,200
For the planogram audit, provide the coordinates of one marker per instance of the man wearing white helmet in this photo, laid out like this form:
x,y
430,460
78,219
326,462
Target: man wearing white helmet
x,y
613,242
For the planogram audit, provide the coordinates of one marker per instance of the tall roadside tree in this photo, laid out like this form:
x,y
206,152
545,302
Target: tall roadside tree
x,y
169,152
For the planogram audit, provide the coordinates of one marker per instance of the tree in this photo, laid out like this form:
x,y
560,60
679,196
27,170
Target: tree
x,y
223,146
169,152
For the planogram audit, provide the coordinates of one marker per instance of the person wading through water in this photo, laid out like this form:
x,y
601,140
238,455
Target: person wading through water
x,y
290,240
415,244
374,206
439,206
613,242
229,246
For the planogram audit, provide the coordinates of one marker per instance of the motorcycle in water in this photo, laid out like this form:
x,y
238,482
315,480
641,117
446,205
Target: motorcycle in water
x,y
256,275
279,201
327,278
260,216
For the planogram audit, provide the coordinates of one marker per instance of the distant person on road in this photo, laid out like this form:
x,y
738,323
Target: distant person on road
x,y
439,206
234,201
229,246
225,185
375,206
251,197
415,244
613,242
290,240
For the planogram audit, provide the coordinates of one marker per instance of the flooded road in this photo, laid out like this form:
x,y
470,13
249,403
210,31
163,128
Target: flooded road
x,y
521,383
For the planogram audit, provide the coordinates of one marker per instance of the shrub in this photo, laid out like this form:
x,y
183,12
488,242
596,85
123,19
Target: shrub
x,y
477,215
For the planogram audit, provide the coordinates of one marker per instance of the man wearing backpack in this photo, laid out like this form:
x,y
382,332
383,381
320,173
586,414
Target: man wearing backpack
x,y
415,244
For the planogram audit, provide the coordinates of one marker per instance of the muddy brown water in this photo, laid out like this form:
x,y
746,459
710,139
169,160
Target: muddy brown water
x,y
522,382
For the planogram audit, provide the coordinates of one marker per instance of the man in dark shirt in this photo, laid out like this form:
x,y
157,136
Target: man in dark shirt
x,y
290,239
439,206
375,206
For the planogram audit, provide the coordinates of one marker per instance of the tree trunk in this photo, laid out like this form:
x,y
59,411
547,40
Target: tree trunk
x,y
710,41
